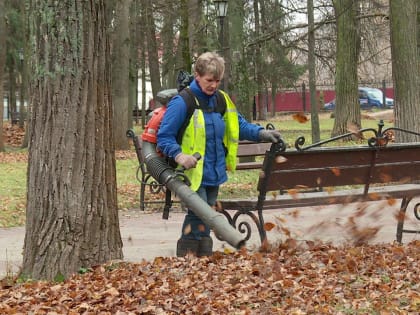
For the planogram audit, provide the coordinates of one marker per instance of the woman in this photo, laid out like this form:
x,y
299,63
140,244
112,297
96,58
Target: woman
x,y
211,133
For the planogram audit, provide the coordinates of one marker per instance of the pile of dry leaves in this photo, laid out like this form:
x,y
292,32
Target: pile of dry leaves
x,y
13,134
292,278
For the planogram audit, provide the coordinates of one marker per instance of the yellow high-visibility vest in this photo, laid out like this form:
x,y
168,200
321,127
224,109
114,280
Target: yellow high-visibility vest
x,y
194,140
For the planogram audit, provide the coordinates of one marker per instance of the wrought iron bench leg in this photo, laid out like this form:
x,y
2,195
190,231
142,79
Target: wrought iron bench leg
x,y
401,217
141,177
142,192
261,228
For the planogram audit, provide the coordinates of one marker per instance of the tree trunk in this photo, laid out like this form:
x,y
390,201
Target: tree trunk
x,y
262,110
405,67
142,63
347,111
25,73
168,56
12,91
120,73
152,50
23,67
312,76
273,99
72,215
184,61
243,88
196,27
134,56
227,86
2,63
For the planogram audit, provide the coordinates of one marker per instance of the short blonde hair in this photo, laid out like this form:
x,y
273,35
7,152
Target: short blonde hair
x,y
210,63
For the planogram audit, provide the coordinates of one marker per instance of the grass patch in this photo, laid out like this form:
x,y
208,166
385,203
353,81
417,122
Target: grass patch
x,y
241,184
12,194
127,185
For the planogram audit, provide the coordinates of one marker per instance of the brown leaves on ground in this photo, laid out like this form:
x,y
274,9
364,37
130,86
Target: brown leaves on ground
x,y
13,134
13,157
300,117
310,278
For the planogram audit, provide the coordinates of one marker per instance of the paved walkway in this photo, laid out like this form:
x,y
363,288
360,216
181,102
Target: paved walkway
x,y
146,235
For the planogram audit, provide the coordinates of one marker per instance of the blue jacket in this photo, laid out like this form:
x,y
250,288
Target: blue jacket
x,y
214,172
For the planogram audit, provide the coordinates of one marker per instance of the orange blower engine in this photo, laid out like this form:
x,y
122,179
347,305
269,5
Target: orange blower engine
x,y
152,126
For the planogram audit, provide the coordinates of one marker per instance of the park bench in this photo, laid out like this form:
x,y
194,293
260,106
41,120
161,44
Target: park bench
x,y
371,172
248,154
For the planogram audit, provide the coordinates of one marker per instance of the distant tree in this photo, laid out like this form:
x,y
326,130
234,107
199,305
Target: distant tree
x,y
258,64
2,63
133,101
121,73
347,111
71,216
242,81
24,73
143,63
312,75
169,44
14,44
152,47
405,67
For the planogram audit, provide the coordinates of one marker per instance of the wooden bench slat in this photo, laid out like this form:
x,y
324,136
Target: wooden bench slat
x,y
301,200
247,148
249,165
343,167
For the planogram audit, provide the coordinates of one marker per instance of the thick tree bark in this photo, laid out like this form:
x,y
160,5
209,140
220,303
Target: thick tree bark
x,y
405,67
72,215
347,111
120,73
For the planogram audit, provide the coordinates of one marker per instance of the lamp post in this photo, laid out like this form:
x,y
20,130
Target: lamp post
x,y
221,10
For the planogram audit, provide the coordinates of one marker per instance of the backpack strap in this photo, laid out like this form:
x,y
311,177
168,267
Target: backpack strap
x,y
220,103
193,103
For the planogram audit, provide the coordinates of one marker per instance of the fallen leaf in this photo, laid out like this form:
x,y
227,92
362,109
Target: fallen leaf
x,y
300,117
268,226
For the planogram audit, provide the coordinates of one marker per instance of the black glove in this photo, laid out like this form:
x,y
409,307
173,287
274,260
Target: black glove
x,y
269,135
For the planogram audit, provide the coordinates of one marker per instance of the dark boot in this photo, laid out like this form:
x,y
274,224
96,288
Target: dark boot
x,y
185,246
205,247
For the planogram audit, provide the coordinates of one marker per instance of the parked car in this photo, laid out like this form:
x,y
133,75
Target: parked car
x,y
330,105
369,98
